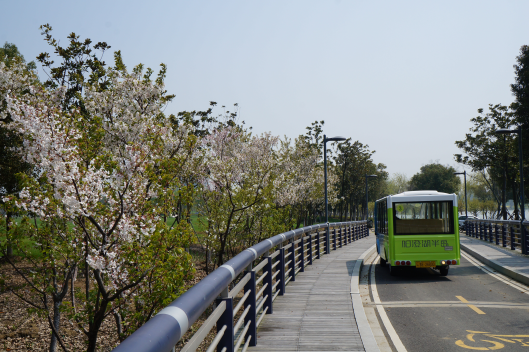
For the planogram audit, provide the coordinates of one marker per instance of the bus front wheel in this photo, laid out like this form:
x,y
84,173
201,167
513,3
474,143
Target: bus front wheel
x,y
444,270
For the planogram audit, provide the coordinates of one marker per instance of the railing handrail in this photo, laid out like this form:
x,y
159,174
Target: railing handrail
x,y
487,229
164,330
514,222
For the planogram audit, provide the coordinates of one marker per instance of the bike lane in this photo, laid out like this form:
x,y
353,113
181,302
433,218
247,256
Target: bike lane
x,y
467,310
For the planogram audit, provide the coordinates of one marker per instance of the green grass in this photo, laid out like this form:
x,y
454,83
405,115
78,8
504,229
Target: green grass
x,y
25,246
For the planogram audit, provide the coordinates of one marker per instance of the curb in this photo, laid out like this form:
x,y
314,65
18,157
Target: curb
x,y
495,265
367,336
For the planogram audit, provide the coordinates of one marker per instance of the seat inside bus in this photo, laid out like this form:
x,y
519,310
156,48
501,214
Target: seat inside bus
x,y
417,226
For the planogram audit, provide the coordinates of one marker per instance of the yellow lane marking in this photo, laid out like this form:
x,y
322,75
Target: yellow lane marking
x,y
462,344
470,305
496,345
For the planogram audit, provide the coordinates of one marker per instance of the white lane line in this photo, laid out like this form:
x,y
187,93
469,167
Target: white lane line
x,y
382,313
495,273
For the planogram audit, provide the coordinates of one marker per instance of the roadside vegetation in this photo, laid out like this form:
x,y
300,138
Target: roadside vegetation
x,y
110,209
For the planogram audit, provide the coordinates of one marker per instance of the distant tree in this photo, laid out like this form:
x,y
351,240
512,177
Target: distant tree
x,y
398,183
354,161
9,54
436,177
492,154
474,206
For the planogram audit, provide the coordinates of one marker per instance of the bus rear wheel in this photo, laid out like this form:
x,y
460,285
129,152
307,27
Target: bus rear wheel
x,y
392,270
382,262
444,270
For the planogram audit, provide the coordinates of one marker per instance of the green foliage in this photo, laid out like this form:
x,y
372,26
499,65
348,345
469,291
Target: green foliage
x,y
155,265
491,155
494,155
79,64
398,183
9,54
478,187
436,177
520,105
354,161
11,163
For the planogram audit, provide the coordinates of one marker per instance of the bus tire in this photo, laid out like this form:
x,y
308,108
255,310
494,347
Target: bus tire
x,y
382,262
444,270
392,270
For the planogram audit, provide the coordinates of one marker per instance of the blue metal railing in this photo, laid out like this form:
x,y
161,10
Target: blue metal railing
x,y
292,250
501,232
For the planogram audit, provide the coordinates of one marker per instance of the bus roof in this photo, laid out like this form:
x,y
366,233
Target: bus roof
x,y
419,196
420,193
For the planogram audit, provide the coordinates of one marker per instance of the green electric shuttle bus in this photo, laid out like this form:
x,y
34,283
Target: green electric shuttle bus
x,y
418,229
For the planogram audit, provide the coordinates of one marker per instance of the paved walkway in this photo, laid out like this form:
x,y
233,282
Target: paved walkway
x,y
316,313
505,261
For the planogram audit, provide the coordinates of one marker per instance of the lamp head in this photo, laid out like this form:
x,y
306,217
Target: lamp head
x,y
505,131
334,139
370,175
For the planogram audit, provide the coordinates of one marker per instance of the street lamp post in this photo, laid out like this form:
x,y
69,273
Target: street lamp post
x,y
465,187
519,131
366,209
332,139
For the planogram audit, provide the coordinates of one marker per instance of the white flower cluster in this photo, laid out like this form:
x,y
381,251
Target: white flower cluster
x,y
99,164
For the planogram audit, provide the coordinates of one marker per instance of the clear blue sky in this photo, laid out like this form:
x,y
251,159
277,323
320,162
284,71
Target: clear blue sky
x,y
404,77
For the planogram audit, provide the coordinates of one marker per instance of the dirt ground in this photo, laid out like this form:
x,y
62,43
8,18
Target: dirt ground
x,y
22,331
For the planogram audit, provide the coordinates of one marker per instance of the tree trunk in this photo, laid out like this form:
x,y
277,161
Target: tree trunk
x,y
9,244
56,325
515,201
94,327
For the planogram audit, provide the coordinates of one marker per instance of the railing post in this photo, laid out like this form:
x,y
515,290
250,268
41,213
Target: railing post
x,y
512,238
503,229
481,226
349,233
326,241
340,236
310,248
292,251
281,285
318,244
497,234
367,230
491,234
251,315
475,232
334,239
524,243
268,281
226,319
302,253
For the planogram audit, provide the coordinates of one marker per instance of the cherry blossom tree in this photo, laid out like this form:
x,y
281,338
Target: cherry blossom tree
x,y
237,178
105,173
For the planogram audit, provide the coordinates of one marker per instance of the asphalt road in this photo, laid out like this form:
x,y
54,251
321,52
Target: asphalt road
x,y
430,312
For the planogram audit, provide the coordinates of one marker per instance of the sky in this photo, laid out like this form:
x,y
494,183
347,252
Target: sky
x,y
403,77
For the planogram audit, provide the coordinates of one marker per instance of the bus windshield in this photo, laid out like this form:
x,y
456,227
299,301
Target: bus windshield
x,y
423,218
